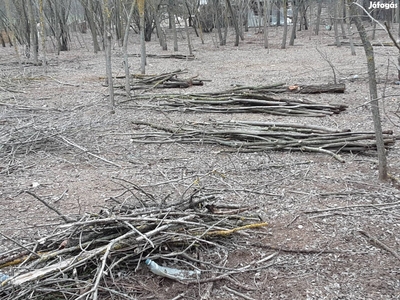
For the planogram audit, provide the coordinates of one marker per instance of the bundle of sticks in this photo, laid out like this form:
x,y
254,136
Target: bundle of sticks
x,y
246,99
251,136
83,256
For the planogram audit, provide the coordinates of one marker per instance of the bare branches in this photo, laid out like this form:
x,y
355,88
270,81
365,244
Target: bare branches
x,y
49,206
259,99
262,136
68,142
102,242
379,244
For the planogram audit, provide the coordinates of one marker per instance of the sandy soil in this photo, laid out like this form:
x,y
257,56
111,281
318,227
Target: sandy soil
x,y
316,207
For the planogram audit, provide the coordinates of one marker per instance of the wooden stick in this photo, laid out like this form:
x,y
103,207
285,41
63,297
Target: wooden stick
x,y
378,243
87,151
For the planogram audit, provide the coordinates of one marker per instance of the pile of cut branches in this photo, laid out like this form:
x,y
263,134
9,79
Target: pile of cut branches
x,y
165,80
260,99
247,136
82,258
173,56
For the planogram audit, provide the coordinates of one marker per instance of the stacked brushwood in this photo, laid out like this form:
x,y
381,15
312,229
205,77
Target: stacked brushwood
x,y
246,99
82,258
164,80
251,136
168,56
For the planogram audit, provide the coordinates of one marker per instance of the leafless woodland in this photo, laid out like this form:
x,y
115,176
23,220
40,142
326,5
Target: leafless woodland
x,y
333,227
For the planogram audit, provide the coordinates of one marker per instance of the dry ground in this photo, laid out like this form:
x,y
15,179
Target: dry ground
x,y
315,205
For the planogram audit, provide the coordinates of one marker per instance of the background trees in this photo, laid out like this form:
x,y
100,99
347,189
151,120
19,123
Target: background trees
x,y
32,26
61,18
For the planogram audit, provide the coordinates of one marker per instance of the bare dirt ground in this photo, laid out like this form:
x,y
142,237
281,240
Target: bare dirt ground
x,y
316,207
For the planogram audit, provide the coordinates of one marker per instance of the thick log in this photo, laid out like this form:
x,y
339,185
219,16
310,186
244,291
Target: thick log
x,y
317,89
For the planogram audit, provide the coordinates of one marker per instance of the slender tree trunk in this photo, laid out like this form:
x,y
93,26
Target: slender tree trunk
x,y
118,22
160,32
341,16
188,37
43,34
218,17
106,12
260,16
235,22
34,36
283,46
142,40
350,33
369,53
125,50
109,70
335,25
13,38
266,21
294,25
89,13
246,17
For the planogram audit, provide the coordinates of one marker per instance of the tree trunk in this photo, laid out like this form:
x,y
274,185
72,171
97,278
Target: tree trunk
x,y
319,10
266,21
172,22
352,48
108,42
118,22
294,25
89,14
218,16
160,33
283,46
235,22
369,53
125,50
335,24
33,32
188,36
142,41
106,9
43,34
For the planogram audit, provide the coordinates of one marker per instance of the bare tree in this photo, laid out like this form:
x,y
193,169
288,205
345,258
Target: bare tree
x,y
369,53
234,21
283,45
106,12
172,22
90,14
267,8
141,5
125,50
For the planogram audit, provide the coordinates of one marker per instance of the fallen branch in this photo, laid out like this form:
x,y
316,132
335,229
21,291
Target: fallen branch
x,y
379,244
68,142
49,206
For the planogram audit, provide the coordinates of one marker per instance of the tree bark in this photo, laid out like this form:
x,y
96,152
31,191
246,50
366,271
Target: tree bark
x,y
235,22
89,14
142,40
369,53
33,32
125,50
294,25
266,21
283,46
323,88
